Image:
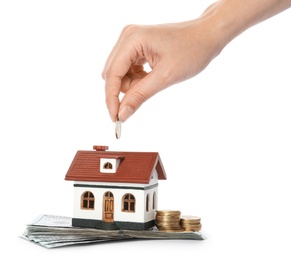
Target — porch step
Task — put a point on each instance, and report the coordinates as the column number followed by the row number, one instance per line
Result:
column 107, row 226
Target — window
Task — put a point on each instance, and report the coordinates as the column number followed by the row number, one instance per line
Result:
column 128, row 203
column 87, row 200
column 147, row 202
column 107, row 165
column 110, row 165
column 154, row 200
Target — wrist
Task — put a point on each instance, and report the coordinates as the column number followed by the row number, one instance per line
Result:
column 229, row 18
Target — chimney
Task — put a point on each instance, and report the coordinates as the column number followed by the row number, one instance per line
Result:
column 100, row 148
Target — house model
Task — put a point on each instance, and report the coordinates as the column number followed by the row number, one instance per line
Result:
column 115, row 190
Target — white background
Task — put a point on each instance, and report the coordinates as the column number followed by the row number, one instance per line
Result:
column 223, row 136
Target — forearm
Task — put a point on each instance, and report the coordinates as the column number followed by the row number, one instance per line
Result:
column 232, row 17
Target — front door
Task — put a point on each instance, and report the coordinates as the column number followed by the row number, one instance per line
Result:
column 108, row 207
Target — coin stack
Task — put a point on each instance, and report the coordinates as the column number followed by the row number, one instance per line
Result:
column 168, row 220
column 190, row 223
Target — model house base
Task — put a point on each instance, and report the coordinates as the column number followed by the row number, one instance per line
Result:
column 92, row 223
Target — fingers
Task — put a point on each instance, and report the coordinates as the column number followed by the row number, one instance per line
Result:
column 124, row 72
column 138, row 93
column 114, row 51
column 123, row 67
column 112, row 90
column 132, row 77
column 138, row 86
column 116, row 68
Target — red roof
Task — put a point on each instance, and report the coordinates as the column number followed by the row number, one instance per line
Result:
column 135, row 167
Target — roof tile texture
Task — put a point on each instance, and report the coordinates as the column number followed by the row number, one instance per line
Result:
column 135, row 167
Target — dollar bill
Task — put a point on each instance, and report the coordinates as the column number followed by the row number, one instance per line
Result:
column 53, row 231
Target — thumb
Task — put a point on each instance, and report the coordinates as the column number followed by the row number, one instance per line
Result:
column 141, row 92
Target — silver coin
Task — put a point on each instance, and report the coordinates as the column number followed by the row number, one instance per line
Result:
column 117, row 128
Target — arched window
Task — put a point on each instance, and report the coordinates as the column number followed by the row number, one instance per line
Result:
column 128, row 203
column 154, row 200
column 107, row 165
column 147, row 202
column 87, row 200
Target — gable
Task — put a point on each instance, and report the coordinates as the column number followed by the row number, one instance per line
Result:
column 133, row 167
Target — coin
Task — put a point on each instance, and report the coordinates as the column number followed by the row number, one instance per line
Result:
column 168, row 220
column 196, row 227
column 168, row 212
column 117, row 128
column 191, row 223
column 190, row 219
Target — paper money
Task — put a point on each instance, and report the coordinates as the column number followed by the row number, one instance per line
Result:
column 52, row 231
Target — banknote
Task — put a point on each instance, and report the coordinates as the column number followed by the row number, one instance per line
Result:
column 53, row 231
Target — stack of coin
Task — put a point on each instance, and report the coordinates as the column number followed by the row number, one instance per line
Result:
column 190, row 223
column 168, row 220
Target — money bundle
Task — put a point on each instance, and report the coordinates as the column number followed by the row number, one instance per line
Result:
column 190, row 223
column 168, row 220
column 52, row 231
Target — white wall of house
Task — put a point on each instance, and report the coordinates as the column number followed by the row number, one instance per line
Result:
column 140, row 214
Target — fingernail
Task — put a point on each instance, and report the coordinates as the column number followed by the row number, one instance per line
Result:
column 125, row 113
